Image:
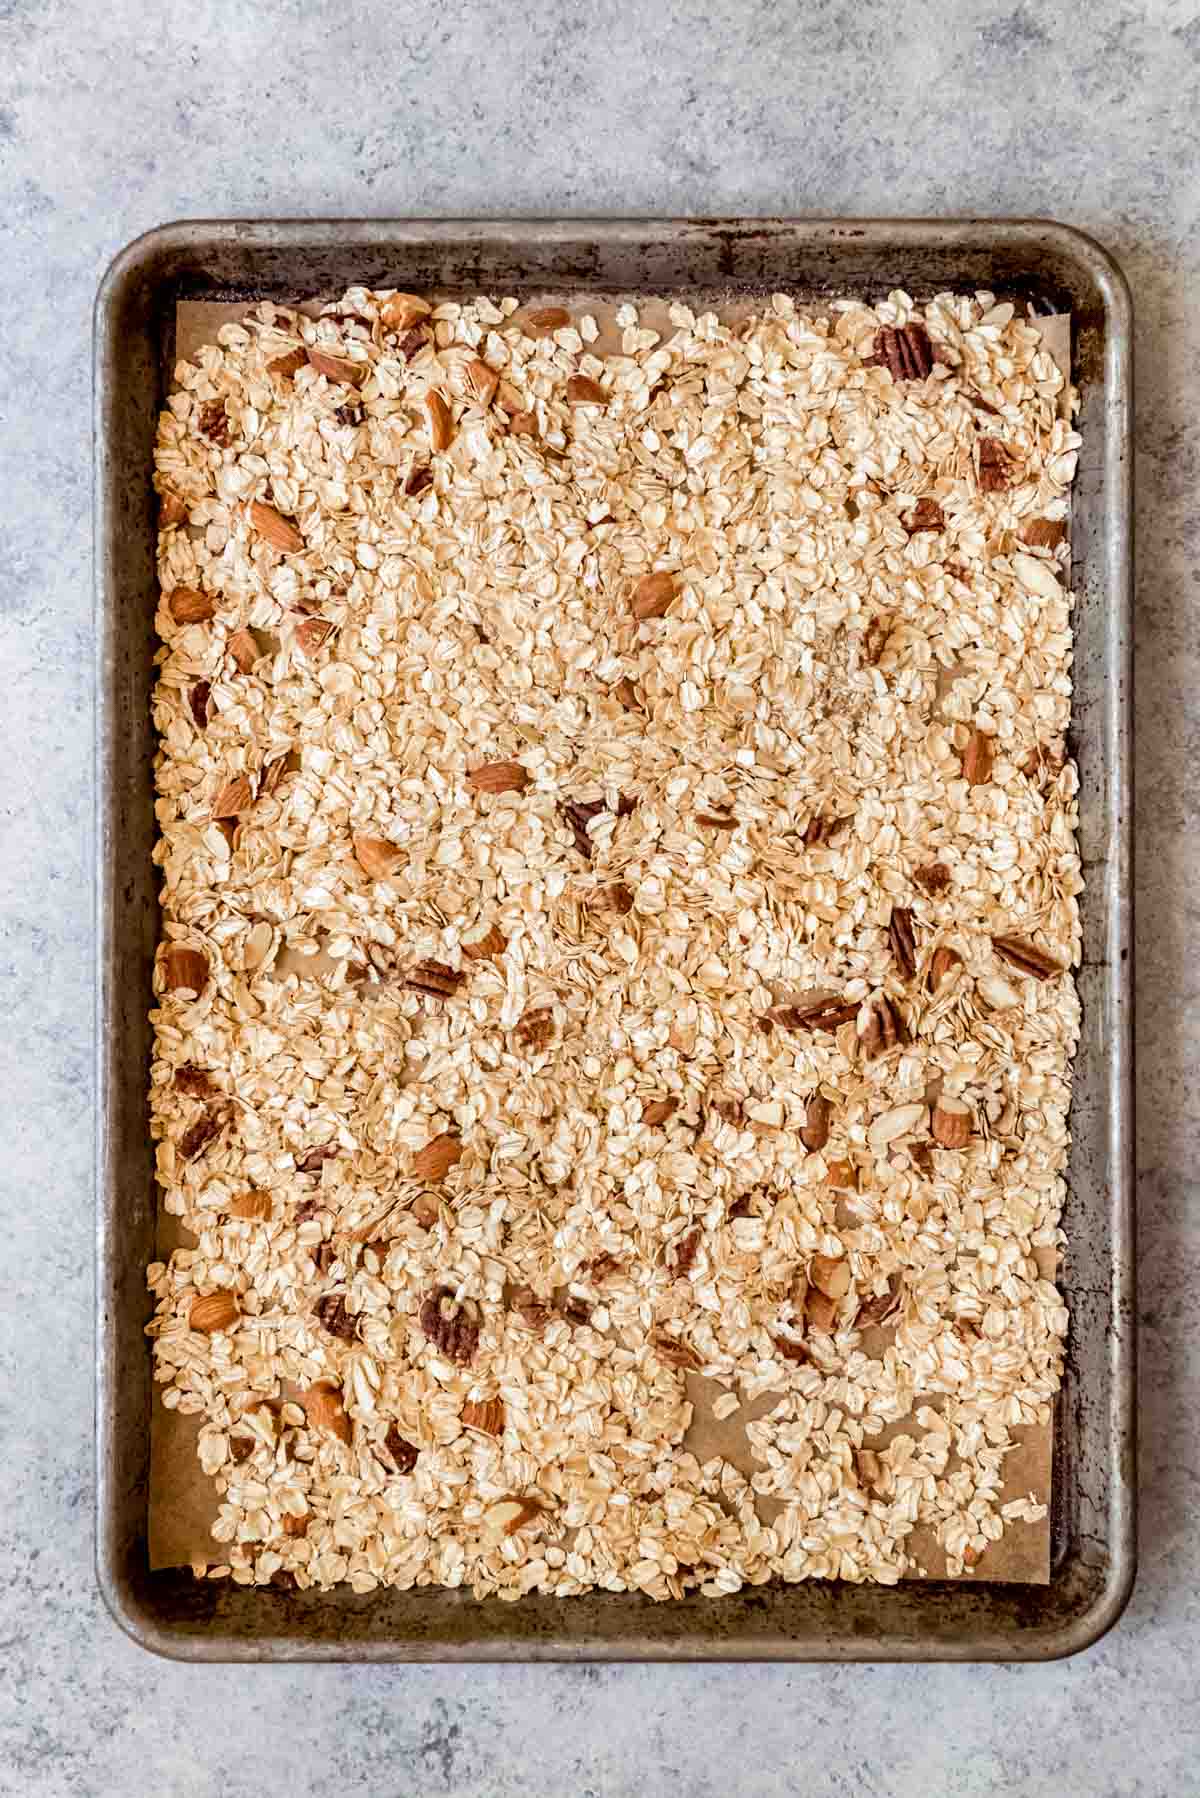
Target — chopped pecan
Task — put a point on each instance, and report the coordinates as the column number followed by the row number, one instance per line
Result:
column 900, row 936
column 583, row 391
column 905, row 350
column 289, row 366
column 615, row 897
column 880, row 1306
column 312, row 1160
column 324, row 1256
column 685, row 1251
column 814, row 1014
column 579, row 813
column 418, row 479
column 293, row 1525
column 814, row 1133
column 933, row 879
column 820, row 828
column 885, row 1029
column 600, row 1266
column 200, row 1133
column 198, row 701
column 484, row 1415
column 575, row 1310
column 487, row 947
column 272, row 773
column 534, row 1029
column 332, row 1315
column 876, row 637
column 435, row 978
column 1043, row 533
column 791, row 1351
column 711, row 822
column 413, row 342
column 534, row 1312
column 995, row 465
column 927, row 516
column 215, row 423
column 452, row 1328
column 349, row 415
column 1026, row 957
column 192, row 1080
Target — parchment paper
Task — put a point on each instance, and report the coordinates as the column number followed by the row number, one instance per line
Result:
column 184, row 1500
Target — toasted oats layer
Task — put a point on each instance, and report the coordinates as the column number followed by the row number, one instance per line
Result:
column 619, row 879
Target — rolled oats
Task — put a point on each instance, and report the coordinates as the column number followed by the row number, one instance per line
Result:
column 620, row 824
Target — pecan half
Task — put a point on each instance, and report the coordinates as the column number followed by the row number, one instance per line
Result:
column 452, row 1328
column 995, row 465
column 900, row 936
column 332, row 1315
column 885, row 1029
column 1026, row 957
column 435, row 978
column 905, row 350
column 814, row 1014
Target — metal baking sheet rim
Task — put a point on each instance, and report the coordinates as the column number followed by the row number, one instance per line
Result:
column 170, row 1613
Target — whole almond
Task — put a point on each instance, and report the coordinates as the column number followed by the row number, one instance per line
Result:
column 652, row 596
column 376, row 856
column 278, row 530
column 482, row 381
column 441, row 425
column 814, row 1133
column 499, row 777
column 244, row 649
column 234, row 798
column 401, row 311
column 583, row 391
column 951, row 1123
column 486, row 1416
column 251, row 1205
column 977, row 759
column 184, row 968
column 657, row 1111
column 339, row 369
column 946, row 961
column 434, row 1161
column 187, row 605
column 214, row 1311
column 325, row 1410
column 540, row 319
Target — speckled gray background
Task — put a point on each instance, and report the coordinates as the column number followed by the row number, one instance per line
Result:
column 115, row 116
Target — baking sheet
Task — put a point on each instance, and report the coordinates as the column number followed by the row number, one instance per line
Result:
column 183, row 1500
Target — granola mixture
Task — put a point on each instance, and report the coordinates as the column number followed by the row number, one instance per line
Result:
column 619, row 887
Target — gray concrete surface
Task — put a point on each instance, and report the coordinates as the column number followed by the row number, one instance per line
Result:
column 118, row 116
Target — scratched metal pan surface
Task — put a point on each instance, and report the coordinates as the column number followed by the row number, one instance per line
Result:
column 1093, row 1549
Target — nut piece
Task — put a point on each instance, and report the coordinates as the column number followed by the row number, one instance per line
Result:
column 453, row 1329
column 214, row 1311
column 187, row 605
column 977, row 759
column 376, row 856
column 486, row 947
column 199, row 1134
column 312, row 634
column 508, row 1515
column 820, row 1311
column 652, row 596
column 434, row 1161
column 995, row 465
column 499, row 777
column 951, row 1123
column 193, row 1081
column 541, row 320
column 278, row 530
column 927, row 516
column 1026, row 957
column 657, row 1111
column 934, row 879
column 332, row 1315
column 906, row 351
column 885, row 1029
column 482, row 381
column 842, row 1176
column 523, row 424
column 1043, row 533
column 830, row 1275
column 869, row 1469
column 945, row 962
column 404, row 1454
column 243, row 647
column 814, row 1014
column 534, row 1029
column 198, row 700
column 879, row 1307
column 814, row 1133
column 234, row 798
column 339, row 369
column 900, row 936
column 172, row 510
column 684, row 1253
column 184, row 969
column 441, row 423
column 286, row 368
column 401, row 311
column 674, row 1352
column 325, row 1410
column 252, row 1205
column 579, row 814
column 486, row 1416
column 435, row 978
column 583, row 391
column 616, row 897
